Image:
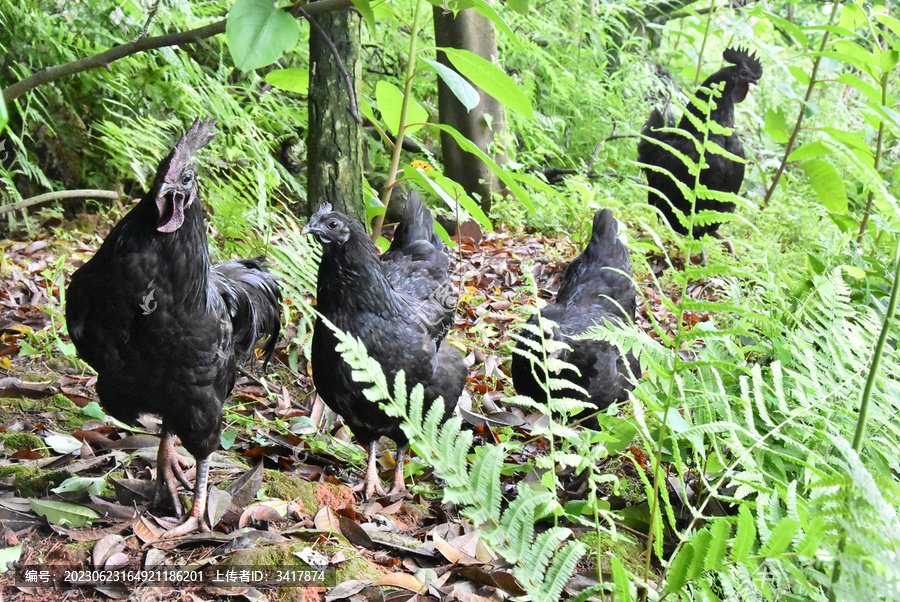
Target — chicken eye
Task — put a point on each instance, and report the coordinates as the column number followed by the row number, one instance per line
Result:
column 333, row 224
column 187, row 178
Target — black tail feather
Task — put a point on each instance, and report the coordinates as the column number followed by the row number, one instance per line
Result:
column 253, row 299
column 417, row 226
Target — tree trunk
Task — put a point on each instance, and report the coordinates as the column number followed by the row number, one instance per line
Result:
column 483, row 124
column 334, row 139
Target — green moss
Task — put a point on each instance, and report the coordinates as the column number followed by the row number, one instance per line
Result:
column 290, row 487
column 621, row 545
column 284, row 557
column 18, row 440
column 81, row 546
column 16, row 403
column 30, row 482
column 71, row 416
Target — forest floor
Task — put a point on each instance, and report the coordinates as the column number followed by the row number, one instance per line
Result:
column 76, row 490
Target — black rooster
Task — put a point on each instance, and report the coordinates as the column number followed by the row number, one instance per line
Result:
column 663, row 168
column 164, row 330
column 399, row 305
column 597, row 285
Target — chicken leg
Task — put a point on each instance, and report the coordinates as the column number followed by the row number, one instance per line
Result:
column 169, row 468
column 371, row 484
column 194, row 520
column 399, row 484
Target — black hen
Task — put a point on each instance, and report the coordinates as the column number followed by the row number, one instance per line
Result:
column 597, row 285
column 164, row 330
column 663, row 168
column 399, row 304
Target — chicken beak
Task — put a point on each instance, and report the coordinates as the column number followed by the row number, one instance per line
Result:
column 309, row 229
column 170, row 206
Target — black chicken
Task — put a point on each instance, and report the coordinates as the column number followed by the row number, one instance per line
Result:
column 399, row 305
column 662, row 168
column 597, row 285
column 164, row 330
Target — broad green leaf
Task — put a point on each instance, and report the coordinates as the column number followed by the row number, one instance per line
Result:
column 809, row 151
column 490, row 78
column 507, row 178
column 94, row 410
column 520, row 6
column 488, row 11
column 617, row 433
column 462, row 89
column 63, row 513
column 8, row 555
column 855, row 54
column 892, row 23
column 888, row 60
column 390, row 102
column 365, row 9
column 366, row 109
column 94, row 484
column 292, row 80
column 258, row 33
column 449, row 191
column 228, row 437
column 374, row 206
column 799, row 74
column 852, row 16
column 776, row 125
column 851, row 79
column 851, row 140
column 827, row 183
column 789, row 28
column 854, row 271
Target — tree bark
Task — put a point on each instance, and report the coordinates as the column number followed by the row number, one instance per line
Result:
column 334, row 138
column 483, row 124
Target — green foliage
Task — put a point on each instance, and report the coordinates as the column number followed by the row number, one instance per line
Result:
column 773, row 435
column 543, row 562
column 754, row 408
column 259, row 33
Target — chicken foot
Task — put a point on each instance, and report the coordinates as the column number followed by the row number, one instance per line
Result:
column 195, row 520
column 371, row 484
column 399, row 484
column 169, row 468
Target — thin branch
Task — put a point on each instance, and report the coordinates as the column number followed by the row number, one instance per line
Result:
column 150, row 17
column 802, row 112
column 340, row 64
column 115, row 53
column 60, row 194
column 401, row 128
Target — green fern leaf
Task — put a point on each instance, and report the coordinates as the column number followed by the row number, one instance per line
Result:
column 720, row 530
column 620, row 578
column 561, row 570
column 745, row 535
column 677, row 572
